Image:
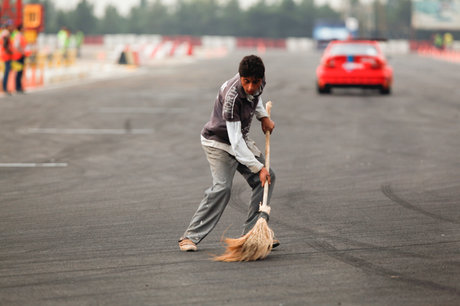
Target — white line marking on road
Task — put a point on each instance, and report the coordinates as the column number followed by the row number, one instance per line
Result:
column 32, row 165
column 142, row 110
column 85, row 131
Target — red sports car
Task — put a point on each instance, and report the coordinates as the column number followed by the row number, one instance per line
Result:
column 354, row 63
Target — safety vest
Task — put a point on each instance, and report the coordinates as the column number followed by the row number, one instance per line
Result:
column 63, row 39
column 18, row 45
column 5, row 46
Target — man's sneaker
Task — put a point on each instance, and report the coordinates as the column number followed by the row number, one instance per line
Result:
column 276, row 243
column 187, row 245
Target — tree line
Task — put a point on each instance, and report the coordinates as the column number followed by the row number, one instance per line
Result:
column 279, row 19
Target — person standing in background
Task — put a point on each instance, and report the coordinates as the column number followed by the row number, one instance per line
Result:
column 19, row 44
column 79, row 38
column 438, row 41
column 448, row 41
column 6, row 54
column 63, row 40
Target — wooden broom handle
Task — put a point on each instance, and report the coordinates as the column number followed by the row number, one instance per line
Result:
column 268, row 106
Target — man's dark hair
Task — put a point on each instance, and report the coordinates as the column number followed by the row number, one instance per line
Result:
column 252, row 66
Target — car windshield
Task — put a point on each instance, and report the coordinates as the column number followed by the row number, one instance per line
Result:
column 353, row 49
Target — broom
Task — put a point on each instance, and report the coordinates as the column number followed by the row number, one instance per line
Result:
column 258, row 242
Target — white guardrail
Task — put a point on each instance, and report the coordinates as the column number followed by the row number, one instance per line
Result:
column 147, row 43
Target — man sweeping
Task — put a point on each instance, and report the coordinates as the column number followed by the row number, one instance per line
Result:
column 228, row 149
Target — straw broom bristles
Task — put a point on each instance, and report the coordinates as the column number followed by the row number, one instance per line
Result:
column 255, row 245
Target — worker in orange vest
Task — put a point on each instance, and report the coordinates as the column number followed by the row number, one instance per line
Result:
column 6, row 53
column 19, row 44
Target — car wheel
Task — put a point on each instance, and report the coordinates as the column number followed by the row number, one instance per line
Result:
column 385, row 90
column 325, row 90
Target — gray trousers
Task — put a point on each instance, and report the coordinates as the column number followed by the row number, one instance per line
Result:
column 223, row 167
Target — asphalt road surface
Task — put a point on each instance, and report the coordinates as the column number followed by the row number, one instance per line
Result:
column 99, row 180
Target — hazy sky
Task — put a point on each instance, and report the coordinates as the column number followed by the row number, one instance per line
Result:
column 125, row 5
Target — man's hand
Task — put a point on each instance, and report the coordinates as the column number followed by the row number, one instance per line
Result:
column 267, row 125
column 264, row 176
